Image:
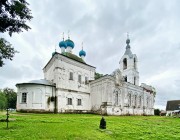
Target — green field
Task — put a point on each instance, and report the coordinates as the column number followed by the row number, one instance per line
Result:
column 86, row 126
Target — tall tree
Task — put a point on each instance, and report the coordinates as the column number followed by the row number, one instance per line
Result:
column 13, row 17
column 3, row 101
column 11, row 97
column 6, row 51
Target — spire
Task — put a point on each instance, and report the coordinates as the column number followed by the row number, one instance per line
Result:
column 127, row 35
column 68, row 34
column 82, row 45
column 62, row 44
column 128, row 41
column 128, row 48
column 63, row 35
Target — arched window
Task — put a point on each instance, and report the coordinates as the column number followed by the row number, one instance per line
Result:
column 147, row 102
column 79, row 100
column 129, row 99
column 135, row 100
column 69, row 99
column 116, row 98
column 134, row 80
column 124, row 63
column 134, row 63
column 139, row 101
column 125, row 78
column 24, row 97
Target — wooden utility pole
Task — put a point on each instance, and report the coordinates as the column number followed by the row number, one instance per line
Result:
column 7, row 117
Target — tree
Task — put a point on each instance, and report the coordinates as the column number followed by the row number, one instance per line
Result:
column 6, row 51
column 13, row 17
column 3, row 101
column 156, row 112
column 8, row 98
column 98, row 75
column 11, row 97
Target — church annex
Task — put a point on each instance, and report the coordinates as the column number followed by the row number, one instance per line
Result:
column 69, row 85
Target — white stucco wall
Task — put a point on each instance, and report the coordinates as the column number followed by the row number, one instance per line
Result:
column 107, row 95
column 36, row 97
column 58, row 70
column 101, row 92
column 132, row 69
column 124, row 99
column 63, row 103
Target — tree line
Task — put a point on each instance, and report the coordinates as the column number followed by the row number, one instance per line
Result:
column 8, row 98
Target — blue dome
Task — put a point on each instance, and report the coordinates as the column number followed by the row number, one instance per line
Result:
column 82, row 52
column 69, row 43
column 62, row 44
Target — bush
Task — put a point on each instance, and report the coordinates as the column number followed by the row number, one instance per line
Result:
column 156, row 112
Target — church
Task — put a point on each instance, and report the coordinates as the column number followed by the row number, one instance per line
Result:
column 69, row 86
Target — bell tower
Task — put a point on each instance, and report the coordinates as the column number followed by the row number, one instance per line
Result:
column 128, row 65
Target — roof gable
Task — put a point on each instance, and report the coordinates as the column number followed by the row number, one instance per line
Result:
column 173, row 105
column 70, row 56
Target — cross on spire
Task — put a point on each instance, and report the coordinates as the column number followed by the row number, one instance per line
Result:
column 63, row 35
column 82, row 45
column 127, row 35
column 68, row 34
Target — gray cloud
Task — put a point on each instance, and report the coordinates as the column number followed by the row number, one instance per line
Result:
column 154, row 28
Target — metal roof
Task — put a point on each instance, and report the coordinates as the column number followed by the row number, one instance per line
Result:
column 39, row 82
column 173, row 105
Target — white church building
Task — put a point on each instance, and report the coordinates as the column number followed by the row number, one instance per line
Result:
column 69, row 86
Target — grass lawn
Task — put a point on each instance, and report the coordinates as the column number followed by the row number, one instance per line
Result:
column 86, row 126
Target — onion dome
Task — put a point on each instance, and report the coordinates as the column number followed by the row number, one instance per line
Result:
column 82, row 53
column 62, row 44
column 127, row 42
column 69, row 43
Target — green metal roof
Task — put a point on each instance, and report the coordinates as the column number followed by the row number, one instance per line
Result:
column 73, row 56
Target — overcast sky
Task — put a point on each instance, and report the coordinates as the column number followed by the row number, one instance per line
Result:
column 153, row 25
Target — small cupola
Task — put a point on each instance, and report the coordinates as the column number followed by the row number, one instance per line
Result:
column 62, row 45
column 82, row 53
column 70, row 44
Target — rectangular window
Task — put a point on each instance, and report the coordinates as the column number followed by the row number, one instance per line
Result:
column 134, row 80
column 79, row 78
column 86, row 80
column 70, row 76
column 69, row 101
column 79, row 102
column 24, row 98
column 125, row 78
